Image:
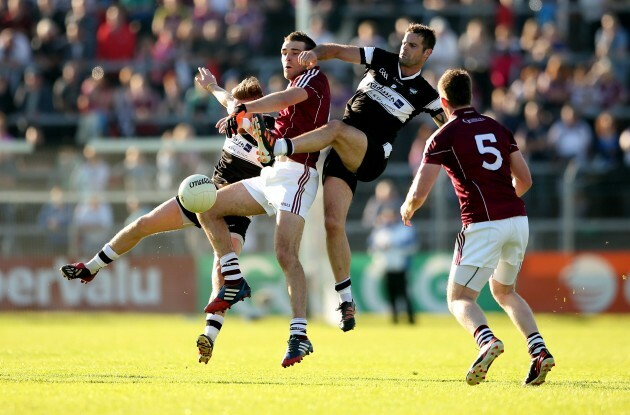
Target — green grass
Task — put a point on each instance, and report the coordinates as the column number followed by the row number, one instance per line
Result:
column 72, row 363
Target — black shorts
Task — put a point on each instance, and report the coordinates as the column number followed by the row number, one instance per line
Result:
column 236, row 224
column 373, row 165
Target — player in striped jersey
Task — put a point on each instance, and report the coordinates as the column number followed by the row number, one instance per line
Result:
column 238, row 161
column 287, row 189
column 391, row 93
column 489, row 175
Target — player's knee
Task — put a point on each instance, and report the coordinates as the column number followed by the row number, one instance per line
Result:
column 502, row 293
column 286, row 257
column 141, row 227
column 335, row 225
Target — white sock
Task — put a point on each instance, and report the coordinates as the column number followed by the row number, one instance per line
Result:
column 298, row 327
column 105, row 257
column 214, row 322
column 230, row 268
column 344, row 290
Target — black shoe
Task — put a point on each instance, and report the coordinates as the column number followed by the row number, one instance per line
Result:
column 78, row 270
column 347, row 308
column 539, row 367
column 296, row 350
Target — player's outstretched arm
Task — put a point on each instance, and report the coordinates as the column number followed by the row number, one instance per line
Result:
column 419, row 190
column 207, row 81
column 326, row 51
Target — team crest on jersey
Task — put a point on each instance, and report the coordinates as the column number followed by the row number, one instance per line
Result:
column 383, row 72
column 413, row 91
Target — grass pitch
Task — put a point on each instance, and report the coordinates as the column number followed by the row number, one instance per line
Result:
column 71, row 363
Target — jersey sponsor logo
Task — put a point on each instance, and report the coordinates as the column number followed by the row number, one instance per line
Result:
column 392, row 101
column 473, row 120
column 241, row 148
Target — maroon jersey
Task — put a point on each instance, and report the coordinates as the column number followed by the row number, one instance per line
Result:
column 475, row 152
column 307, row 115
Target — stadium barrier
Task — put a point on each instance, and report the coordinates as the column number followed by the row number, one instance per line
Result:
column 582, row 283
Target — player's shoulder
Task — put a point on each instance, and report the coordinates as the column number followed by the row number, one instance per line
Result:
column 310, row 77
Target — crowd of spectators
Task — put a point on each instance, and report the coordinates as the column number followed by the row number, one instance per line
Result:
column 73, row 70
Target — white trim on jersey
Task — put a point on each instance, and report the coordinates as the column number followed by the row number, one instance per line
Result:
column 369, row 54
column 406, row 78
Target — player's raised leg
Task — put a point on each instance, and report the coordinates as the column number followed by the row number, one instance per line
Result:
column 166, row 217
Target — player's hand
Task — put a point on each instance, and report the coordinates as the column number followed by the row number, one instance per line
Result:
column 205, row 79
column 221, row 125
column 406, row 212
column 307, row 58
column 232, row 122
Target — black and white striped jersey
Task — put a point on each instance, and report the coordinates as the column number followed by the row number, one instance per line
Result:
column 385, row 101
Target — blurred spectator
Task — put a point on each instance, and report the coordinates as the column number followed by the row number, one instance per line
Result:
column 318, row 31
column 367, row 35
column 139, row 14
column 606, row 152
column 475, row 48
column 505, row 59
column 49, row 50
column 91, row 175
column 607, row 90
column 95, row 105
column 144, row 103
column 570, row 137
column 34, row 96
column 54, row 220
column 612, row 41
column 554, row 83
column 549, row 42
column 391, row 245
column 531, row 134
column 18, row 16
column 581, row 89
column 78, row 49
column 416, row 153
column 172, row 103
column 91, row 225
column 385, row 196
column 4, row 128
column 525, row 87
column 445, row 54
column 87, row 25
column 115, row 40
column 529, row 35
column 66, row 89
column 15, row 54
column 137, row 173
column 244, row 22
column 394, row 40
column 504, row 14
column 51, row 9
column 168, row 17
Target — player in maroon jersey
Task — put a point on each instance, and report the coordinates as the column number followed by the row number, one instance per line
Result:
column 489, row 175
column 391, row 93
column 287, row 188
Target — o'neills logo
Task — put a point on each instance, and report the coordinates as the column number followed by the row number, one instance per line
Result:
column 199, row 182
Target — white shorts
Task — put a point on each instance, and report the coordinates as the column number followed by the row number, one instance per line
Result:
column 494, row 245
column 287, row 185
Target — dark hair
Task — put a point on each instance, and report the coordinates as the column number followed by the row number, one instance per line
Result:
column 248, row 88
column 428, row 34
column 301, row 37
column 456, row 86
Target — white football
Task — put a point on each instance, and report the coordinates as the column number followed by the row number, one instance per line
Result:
column 197, row 193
